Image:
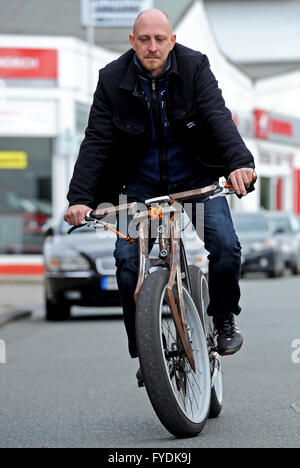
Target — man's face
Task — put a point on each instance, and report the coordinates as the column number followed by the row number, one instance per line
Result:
column 152, row 41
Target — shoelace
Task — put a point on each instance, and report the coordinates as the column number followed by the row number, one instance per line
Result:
column 226, row 327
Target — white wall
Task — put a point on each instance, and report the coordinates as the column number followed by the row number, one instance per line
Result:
column 279, row 94
column 194, row 31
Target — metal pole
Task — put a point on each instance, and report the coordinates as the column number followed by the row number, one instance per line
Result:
column 90, row 37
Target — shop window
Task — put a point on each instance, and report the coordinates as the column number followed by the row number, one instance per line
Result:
column 25, row 194
column 265, row 193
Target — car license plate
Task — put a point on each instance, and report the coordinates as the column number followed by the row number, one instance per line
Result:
column 109, row 283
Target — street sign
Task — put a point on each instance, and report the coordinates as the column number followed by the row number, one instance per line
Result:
column 13, row 160
column 110, row 13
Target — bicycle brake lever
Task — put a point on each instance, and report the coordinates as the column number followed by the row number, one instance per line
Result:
column 75, row 227
column 88, row 217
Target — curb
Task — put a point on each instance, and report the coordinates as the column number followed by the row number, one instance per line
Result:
column 21, row 279
column 14, row 315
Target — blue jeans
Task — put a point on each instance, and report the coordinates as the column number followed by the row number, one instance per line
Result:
column 220, row 241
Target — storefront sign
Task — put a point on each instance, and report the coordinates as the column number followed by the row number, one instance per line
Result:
column 276, row 127
column 28, row 118
column 28, row 63
column 13, row 160
column 112, row 12
column 297, row 191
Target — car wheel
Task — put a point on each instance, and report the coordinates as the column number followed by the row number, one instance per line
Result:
column 278, row 269
column 57, row 312
column 296, row 267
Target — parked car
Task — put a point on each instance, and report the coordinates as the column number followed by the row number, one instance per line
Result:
column 25, row 219
column 261, row 249
column 287, row 229
column 80, row 268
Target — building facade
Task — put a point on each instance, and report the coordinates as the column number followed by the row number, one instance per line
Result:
column 46, row 89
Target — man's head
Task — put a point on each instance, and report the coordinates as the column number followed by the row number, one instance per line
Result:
column 153, row 39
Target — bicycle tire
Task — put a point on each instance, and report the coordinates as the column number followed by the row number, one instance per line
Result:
column 163, row 390
column 201, row 297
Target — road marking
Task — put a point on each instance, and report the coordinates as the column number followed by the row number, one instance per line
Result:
column 296, row 407
column 2, row 352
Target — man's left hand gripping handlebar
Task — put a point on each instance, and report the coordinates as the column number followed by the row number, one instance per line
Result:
column 240, row 180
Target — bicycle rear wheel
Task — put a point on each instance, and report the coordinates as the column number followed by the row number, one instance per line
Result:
column 180, row 397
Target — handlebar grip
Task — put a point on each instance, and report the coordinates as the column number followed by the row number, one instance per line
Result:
column 229, row 186
column 88, row 217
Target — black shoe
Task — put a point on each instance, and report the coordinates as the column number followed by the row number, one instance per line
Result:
column 228, row 335
column 140, row 378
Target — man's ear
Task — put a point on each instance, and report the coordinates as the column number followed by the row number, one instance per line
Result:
column 173, row 41
column 131, row 40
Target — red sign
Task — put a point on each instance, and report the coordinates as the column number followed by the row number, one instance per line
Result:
column 297, row 191
column 267, row 125
column 279, row 194
column 28, row 63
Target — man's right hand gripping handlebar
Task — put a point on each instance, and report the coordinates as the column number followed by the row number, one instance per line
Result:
column 76, row 214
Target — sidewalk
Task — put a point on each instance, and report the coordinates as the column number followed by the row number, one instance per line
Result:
column 19, row 297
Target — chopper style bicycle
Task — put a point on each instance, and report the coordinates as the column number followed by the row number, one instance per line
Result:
column 176, row 341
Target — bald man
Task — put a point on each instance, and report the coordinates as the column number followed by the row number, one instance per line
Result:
column 159, row 124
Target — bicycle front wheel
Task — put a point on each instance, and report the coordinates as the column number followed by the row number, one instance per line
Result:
column 180, row 397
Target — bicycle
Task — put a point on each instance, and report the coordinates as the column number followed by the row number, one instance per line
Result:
column 176, row 340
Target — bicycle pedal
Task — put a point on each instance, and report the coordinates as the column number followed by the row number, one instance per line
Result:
column 140, row 379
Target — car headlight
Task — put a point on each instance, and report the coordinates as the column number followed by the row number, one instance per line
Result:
column 289, row 246
column 258, row 246
column 68, row 263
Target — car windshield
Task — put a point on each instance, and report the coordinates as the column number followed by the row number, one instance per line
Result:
column 250, row 223
column 280, row 223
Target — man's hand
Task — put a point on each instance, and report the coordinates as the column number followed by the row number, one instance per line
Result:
column 241, row 179
column 76, row 214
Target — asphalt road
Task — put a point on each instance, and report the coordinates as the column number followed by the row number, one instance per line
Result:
column 72, row 384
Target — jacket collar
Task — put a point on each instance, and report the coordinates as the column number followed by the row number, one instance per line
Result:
column 145, row 74
column 130, row 76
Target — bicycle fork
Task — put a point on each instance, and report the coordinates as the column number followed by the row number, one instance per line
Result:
column 175, row 278
column 169, row 257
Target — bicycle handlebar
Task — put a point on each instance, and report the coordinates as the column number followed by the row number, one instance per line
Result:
column 205, row 193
